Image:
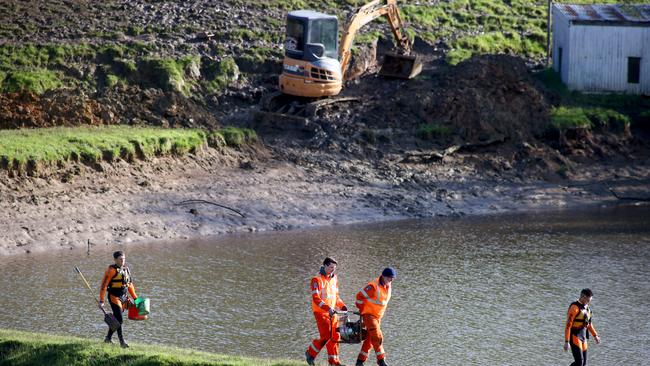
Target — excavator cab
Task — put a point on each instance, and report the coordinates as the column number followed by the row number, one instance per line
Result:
column 311, row 67
column 315, row 63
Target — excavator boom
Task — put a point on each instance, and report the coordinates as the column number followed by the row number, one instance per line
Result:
column 400, row 64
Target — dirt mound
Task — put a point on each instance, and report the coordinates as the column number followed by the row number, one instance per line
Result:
column 28, row 110
column 486, row 98
column 125, row 106
column 489, row 98
column 133, row 105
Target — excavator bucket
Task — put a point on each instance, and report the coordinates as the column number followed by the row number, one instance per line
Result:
column 401, row 66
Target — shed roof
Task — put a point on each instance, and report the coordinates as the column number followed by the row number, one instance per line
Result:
column 607, row 14
column 310, row 14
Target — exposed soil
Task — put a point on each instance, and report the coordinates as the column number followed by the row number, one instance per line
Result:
column 355, row 162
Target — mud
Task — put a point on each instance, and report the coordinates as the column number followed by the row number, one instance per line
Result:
column 357, row 162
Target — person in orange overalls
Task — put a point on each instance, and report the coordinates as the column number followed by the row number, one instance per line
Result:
column 578, row 322
column 117, row 282
column 325, row 301
column 372, row 301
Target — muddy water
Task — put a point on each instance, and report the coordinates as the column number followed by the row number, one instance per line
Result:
column 474, row 291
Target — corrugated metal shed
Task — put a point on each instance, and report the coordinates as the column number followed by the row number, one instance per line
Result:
column 602, row 47
column 604, row 14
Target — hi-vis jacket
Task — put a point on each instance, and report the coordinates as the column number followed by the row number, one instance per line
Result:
column 117, row 281
column 373, row 299
column 325, row 293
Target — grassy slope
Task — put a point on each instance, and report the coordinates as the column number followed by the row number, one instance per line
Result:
column 22, row 150
column 19, row 348
column 465, row 27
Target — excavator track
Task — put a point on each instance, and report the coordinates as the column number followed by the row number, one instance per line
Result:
column 278, row 102
column 285, row 109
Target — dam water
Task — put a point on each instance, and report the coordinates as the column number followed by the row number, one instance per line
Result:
column 474, row 291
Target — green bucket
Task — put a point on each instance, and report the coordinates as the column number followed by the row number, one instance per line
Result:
column 142, row 304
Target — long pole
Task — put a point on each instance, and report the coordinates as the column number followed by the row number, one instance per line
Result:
column 89, row 288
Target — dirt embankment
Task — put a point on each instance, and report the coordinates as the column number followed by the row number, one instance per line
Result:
column 129, row 105
column 470, row 139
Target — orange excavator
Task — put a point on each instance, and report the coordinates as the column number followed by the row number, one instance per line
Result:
column 315, row 63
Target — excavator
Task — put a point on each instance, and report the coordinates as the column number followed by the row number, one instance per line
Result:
column 315, row 63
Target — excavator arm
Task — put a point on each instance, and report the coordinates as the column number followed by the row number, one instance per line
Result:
column 367, row 14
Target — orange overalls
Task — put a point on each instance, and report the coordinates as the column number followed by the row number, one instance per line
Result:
column 325, row 296
column 578, row 322
column 372, row 301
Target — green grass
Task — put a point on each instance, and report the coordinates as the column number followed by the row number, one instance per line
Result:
column 467, row 27
column 19, row 348
column 39, row 67
column 36, row 80
column 261, row 54
column 14, row 57
column 568, row 118
column 493, row 43
column 603, row 117
column 219, row 75
column 617, row 111
column 238, row 136
column 171, row 74
column 29, row 150
column 485, row 26
column 432, row 130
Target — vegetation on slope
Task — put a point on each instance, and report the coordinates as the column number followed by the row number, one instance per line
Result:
column 19, row 348
column 28, row 151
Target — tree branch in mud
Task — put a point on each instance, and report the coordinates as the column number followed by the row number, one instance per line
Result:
column 628, row 198
column 190, row 202
column 420, row 157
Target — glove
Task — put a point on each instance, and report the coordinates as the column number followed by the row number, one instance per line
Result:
column 331, row 311
column 344, row 308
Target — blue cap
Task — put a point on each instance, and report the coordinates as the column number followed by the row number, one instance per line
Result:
column 389, row 272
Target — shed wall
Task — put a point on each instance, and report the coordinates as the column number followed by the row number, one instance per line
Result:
column 598, row 58
column 561, row 39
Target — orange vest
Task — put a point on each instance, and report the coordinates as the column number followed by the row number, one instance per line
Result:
column 328, row 290
column 583, row 318
column 375, row 305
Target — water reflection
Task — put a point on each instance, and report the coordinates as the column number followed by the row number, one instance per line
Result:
column 480, row 291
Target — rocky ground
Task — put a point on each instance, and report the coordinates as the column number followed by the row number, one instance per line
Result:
column 357, row 162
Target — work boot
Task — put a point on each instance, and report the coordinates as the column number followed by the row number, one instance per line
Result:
column 309, row 359
column 359, row 363
column 382, row 362
column 124, row 345
column 107, row 340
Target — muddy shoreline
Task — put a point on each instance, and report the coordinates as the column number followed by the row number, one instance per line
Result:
column 475, row 138
column 127, row 204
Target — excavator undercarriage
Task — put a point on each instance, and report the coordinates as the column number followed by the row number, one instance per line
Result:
column 288, row 111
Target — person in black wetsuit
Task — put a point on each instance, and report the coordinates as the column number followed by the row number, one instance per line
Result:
column 117, row 282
